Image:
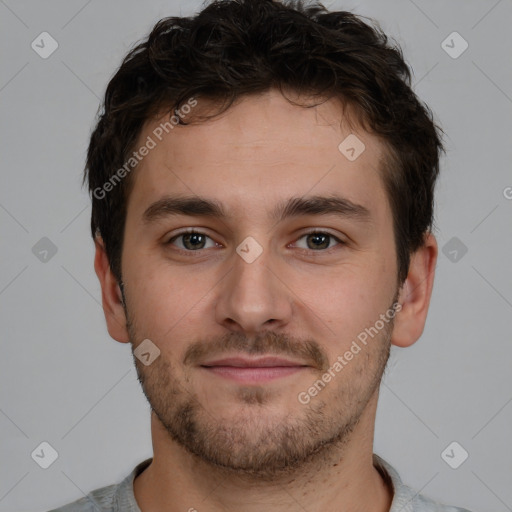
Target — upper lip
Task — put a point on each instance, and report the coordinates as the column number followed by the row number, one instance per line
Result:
column 243, row 362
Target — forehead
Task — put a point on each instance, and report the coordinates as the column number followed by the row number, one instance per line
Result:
column 263, row 148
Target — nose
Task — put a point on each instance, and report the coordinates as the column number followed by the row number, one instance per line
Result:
column 253, row 297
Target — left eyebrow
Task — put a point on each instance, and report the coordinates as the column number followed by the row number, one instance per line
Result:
column 322, row 205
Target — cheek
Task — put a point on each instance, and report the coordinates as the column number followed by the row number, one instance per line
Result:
column 151, row 299
column 166, row 301
column 344, row 302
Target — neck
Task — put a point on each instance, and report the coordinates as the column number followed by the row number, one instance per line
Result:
column 341, row 477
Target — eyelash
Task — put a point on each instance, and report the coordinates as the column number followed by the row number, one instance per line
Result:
column 313, row 232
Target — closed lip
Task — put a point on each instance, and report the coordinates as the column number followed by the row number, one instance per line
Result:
column 243, row 362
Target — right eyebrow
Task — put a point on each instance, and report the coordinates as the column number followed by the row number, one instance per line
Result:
column 192, row 206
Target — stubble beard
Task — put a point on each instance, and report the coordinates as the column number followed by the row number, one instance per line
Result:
column 253, row 445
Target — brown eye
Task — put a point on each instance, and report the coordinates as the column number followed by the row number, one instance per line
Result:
column 319, row 240
column 191, row 241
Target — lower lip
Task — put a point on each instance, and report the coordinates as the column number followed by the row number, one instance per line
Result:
column 247, row 375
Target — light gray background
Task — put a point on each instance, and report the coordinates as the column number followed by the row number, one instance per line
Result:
column 65, row 381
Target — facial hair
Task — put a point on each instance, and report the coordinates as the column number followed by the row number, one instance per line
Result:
column 255, row 444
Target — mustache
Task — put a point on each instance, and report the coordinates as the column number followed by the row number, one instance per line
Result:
column 278, row 344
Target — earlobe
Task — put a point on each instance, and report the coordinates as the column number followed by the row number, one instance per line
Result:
column 111, row 296
column 415, row 294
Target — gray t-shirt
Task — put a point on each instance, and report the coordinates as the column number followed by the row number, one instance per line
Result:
column 120, row 497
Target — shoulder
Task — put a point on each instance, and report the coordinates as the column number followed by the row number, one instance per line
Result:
column 112, row 498
column 411, row 501
column 99, row 500
column 405, row 498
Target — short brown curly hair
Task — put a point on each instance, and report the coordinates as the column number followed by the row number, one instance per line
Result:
column 234, row 48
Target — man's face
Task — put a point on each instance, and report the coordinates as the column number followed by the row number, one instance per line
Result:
column 285, row 292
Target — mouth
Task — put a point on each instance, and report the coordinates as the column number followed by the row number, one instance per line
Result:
column 253, row 370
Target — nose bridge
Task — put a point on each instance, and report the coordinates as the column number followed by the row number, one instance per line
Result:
column 252, row 296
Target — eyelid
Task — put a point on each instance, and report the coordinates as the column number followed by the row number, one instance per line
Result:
column 321, row 231
column 312, row 231
column 196, row 231
column 186, row 231
column 324, row 231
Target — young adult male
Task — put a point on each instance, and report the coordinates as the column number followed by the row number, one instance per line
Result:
column 262, row 179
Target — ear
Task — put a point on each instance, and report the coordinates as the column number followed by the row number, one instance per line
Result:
column 111, row 296
column 415, row 294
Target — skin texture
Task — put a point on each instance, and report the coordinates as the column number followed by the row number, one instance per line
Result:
column 225, row 445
